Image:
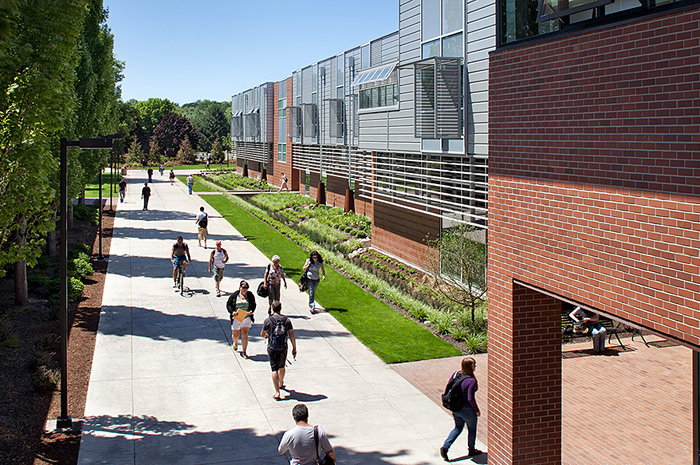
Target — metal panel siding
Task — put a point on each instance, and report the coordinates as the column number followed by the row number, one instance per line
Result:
column 390, row 48
column 306, row 85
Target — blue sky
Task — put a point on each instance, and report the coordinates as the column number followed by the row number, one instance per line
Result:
column 212, row 49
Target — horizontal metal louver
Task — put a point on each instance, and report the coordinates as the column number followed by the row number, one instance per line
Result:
column 254, row 151
column 438, row 99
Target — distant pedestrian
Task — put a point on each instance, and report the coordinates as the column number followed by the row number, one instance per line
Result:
column 469, row 413
column 241, row 306
column 202, row 221
column 314, row 273
column 190, row 183
column 161, row 169
column 122, row 190
column 207, row 166
column 143, row 164
column 172, row 177
column 150, row 174
column 305, row 442
column 145, row 195
column 284, row 183
column 217, row 263
column 274, row 274
column 276, row 328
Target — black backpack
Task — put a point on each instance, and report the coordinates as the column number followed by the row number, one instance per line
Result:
column 204, row 221
column 453, row 399
column 278, row 334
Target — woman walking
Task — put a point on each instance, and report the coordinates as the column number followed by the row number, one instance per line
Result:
column 274, row 274
column 172, row 177
column 241, row 306
column 314, row 273
column 469, row 413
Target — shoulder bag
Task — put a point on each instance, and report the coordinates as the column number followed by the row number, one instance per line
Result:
column 326, row 460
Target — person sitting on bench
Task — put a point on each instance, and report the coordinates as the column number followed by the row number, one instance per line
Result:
column 592, row 319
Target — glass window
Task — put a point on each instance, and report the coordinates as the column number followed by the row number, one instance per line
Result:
column 341, row 70
column 314, row 78
column 452, row 46
column 430, row 19
column 431, row 49
column 364, row 57
column 340, row 93
column 452, row 16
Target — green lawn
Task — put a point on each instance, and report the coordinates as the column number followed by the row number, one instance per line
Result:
column 93, row 190
column 197, row 186
column 390, row 335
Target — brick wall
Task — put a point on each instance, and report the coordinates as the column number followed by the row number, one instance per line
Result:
column 594, row 190
column 403, row 232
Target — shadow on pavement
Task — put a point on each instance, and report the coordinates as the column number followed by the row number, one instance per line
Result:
column 119, row 438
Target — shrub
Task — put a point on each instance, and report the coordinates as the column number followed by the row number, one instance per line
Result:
column 83, row 268
column 85, row 213
column 477, row 343
column 75, row 289
column 37, row 280
column 79, row 248
column 39, row 358
column 11, row 340
column 45, row 379
column 47, row 342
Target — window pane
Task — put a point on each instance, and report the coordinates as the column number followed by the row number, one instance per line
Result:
column 430, row 19
column 341, row 70
column 365, row 57
column 431, row 49
column 452, row 16
column 452, row 46
column 340, row 93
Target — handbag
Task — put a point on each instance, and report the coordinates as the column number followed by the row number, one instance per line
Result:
column 326, row 460
column 262, row 290
column 303, row 282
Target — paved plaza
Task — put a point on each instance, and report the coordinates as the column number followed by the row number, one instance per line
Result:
column 167, row 388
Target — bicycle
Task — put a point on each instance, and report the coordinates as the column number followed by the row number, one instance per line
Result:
column 180, row 277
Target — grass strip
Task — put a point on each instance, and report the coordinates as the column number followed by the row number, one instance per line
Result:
column 93, row 189
column 390, row 335
column 197, row 186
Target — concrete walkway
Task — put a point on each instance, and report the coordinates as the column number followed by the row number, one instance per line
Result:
column 167, row 388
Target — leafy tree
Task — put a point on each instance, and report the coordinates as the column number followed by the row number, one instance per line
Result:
column 152, row 110
column 173, row 129
column 457, row 263
column 185, row 154
column 217, row 151
column 37, row 75
column 212, row 119
column 155, row 153
column 130, row 124
column 136, row 154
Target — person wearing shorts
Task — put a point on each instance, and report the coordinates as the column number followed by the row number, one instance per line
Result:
column 241, row 301
column 217, row 262
column 202, row 221
column 278, row 357
column 179, row 253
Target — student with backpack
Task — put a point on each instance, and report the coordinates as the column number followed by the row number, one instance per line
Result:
column 202, row 221
column 459, row 398
column 276, row 328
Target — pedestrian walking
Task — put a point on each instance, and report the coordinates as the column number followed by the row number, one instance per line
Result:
column 207, row 166
column 314, row 273
column 161, row 168
column 469, row 413
column 145, row 195
column 190, row 183
column 150, row 174
column 202, row 221
column 274, row 275
column 276, row 328
column 241, row 306
column 305, row 442
column 217, row 263
column 172, row 177
column 122, row 190
column 284, row 184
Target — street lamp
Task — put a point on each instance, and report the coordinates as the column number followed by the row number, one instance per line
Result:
column 105, row 142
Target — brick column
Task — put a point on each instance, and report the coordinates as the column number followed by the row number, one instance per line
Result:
column 524, row 377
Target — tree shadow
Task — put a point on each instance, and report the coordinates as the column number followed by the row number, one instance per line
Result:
column 146, row 439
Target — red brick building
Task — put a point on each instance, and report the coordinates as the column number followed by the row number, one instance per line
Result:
column 594, row 200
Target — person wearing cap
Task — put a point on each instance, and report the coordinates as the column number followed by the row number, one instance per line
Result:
column 217, row 263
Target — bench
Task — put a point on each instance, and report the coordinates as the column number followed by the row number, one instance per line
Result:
column 611, row 328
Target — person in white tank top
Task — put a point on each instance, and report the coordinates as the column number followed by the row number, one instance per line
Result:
column 217, row 263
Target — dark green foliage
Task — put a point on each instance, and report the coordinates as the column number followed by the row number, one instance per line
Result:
column 212, row 119
column 45, row 379
column 86, row 213
column 83, row 268
column 37, row 279
column 173, row 130
column 75, row 289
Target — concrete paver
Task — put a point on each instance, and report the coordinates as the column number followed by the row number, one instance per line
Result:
column 167, row 388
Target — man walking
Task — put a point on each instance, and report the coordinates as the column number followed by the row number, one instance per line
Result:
column 122, row 190
column 190, row 183
column 304, row 441
column 276, row 328
column 202, row 221
column 145, row 195
column 150, row 174
column 217, row 262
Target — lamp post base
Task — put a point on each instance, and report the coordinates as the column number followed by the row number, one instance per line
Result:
column 64, row 422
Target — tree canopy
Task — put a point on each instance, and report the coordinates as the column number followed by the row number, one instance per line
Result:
column 173, row 129
column 152, row 110
column 212, row 119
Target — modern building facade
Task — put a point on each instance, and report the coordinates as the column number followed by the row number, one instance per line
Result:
column 399, row 123
column 594, row 196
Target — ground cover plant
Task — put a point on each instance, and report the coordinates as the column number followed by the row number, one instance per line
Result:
column 236, row 182
column 386, row 332
column 198, row 186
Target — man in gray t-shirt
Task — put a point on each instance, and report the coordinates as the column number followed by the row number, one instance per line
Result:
column 299, row 441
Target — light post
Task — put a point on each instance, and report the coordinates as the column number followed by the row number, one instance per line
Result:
column 65, row 420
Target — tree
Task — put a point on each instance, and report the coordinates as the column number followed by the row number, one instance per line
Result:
column 152, row 110
column 457, row 263
column 37, row 76
column 130, row 124
column 155, row 153
column 217, row 151
column 136, row 154
column 212, row 119
column 173, row 129
column 185, row 154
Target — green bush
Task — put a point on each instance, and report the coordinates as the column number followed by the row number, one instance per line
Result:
column 11, row 340
column 83, row 268
column 85, row 213
column 477, row 343
column 37, row 280
column 45, row 379
column 75, row 289
column 236, row 182
column 80, row 248
column 39, row 358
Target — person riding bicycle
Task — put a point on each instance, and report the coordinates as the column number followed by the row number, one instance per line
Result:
column 179, row 254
